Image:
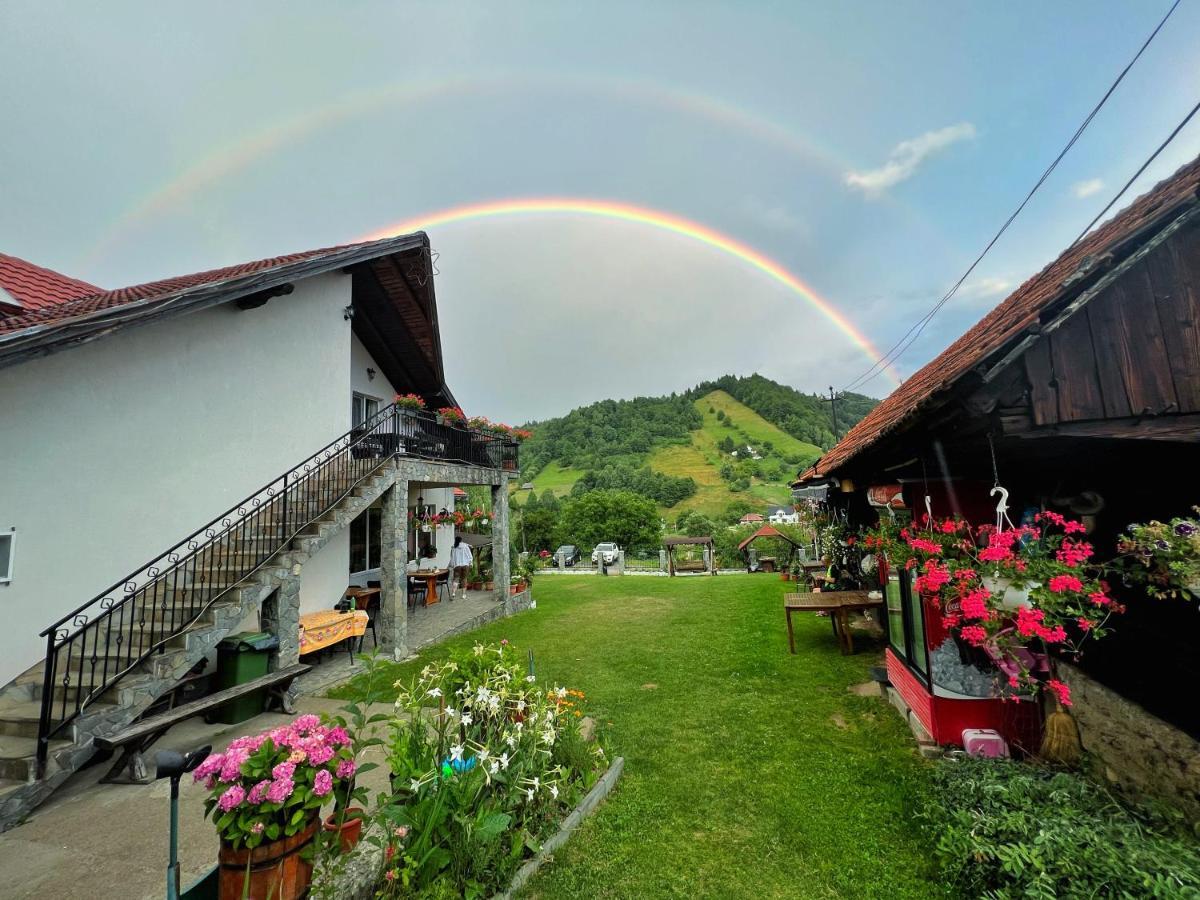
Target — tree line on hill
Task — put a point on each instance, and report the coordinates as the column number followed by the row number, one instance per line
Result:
column 803, row 416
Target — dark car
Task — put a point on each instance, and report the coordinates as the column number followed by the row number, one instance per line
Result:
column 569, row 553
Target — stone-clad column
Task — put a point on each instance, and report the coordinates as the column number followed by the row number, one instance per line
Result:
column 393, row 575
column 280, row 616
column 500, row 573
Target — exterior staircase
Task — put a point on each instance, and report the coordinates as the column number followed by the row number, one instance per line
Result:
column 109, row 660
column 119, row 704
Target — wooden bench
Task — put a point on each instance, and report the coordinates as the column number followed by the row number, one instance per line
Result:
column 136, row 739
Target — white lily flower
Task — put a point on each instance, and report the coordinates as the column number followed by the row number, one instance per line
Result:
column 435, row 692
column 414, row 785
column 554, row 791
column 536, row 783
column 466, row 719
column 479, row 649
column 529, row 794
column 511, row 740
column 531, row 679
column 494, row 767
column 451, row 711
column 484, row 754
column 504, row 760
column 562, row 693
column 456, row 752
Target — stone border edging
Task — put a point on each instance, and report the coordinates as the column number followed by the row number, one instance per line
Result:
column 599, row 791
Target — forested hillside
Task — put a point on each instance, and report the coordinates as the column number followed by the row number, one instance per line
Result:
column 803, row 416
column 734, row 443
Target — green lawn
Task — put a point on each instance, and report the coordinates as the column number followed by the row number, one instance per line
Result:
column 748, row 772
column 556, row 478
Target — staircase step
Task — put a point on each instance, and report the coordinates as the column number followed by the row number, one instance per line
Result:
column 21, row 719
column 18, row 757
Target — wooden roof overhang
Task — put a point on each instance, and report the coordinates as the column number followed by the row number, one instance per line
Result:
column 766, row 531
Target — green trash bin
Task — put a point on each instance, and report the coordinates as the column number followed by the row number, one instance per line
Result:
column 241, row 658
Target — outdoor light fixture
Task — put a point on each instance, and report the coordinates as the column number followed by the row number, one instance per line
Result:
column 370, row 374
column 348, row 313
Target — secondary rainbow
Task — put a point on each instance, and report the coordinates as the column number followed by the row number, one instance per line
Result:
column 643, row 216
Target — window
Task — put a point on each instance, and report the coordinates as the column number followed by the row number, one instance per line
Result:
column 362, row 408
column 366, row 540
column 7, row 542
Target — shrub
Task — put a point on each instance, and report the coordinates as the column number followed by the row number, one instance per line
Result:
column 484, row 764
column 1006, row 829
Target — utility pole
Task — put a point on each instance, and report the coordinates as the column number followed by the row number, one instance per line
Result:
column 833, row 413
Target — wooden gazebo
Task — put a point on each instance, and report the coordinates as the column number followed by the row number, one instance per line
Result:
column 691, row 565
column 768, row 531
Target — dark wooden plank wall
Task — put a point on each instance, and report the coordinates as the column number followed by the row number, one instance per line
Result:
column 1134, row 350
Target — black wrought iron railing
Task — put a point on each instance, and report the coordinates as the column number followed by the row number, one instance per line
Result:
column 89, row 650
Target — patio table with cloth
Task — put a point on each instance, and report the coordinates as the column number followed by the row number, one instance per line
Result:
column 327, row 627
column 839, row 605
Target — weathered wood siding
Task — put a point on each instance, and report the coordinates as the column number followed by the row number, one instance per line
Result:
column 1133, row 351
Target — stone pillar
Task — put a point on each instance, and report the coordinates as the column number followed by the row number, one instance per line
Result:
column 620, row 562
column 393, row 573
column 662, row 560
column 280, row 616
column 500, row 572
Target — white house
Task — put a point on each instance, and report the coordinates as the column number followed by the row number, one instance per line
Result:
column 782, row 515
column 163, row 422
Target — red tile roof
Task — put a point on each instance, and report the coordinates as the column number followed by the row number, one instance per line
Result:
column 87, row 299
column 37, row 288
column 1020, row 310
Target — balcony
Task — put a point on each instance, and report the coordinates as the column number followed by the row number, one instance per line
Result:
column 421, row 434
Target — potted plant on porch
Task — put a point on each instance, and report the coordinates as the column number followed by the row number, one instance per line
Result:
column 265, row 797
column 1164, row 556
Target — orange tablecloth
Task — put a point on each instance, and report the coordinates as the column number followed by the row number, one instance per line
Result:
column 327, row 627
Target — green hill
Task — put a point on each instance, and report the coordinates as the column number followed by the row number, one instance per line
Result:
column 692, row 451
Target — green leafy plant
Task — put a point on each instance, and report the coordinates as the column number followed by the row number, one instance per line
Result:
column 1164, row 556
column 1005, row 829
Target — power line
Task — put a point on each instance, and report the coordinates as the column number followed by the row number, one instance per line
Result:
column 1142, row 168
column 918, row 327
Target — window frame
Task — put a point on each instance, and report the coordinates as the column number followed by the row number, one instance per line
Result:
column 6, row 576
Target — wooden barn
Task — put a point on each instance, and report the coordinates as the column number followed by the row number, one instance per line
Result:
column 1080, row 393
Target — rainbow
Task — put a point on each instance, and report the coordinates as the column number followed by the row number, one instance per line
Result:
column 221, row 163
column 665, row 221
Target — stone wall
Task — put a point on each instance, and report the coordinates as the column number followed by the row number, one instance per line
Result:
column 1136, row 750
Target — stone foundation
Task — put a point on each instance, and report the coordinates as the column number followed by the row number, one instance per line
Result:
column 1137, row 751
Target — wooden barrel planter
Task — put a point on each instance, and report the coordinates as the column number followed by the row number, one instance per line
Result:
column 277, row 870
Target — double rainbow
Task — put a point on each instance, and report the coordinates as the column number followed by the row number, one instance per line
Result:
column 641, row 215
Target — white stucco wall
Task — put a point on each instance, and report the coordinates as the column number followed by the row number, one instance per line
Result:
column 360, row 382
column 325, row 576
column 112, row 451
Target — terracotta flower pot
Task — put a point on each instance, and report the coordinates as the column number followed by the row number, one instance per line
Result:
column 277, row 870
column 351, row 828
column 784, row 576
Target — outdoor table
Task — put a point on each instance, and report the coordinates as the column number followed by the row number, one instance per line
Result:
column 361, row 595
column 839, row 604
column 327, row 627
column 431, row 577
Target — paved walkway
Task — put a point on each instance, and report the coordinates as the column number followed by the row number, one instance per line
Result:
column 106, row 841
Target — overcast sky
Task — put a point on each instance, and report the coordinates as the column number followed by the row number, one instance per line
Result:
column 869, row 149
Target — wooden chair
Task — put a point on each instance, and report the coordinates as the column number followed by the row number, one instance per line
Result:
column 416, row 591
column 443, row 584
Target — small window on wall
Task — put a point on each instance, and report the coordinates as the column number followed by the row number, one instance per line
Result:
column 8, row 542
column 362, row 408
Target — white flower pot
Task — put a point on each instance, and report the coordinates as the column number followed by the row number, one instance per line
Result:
column 1011, row 595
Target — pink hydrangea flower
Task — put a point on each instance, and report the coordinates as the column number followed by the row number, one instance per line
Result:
column 211, row 765
column 284, row 771
column 338, row 736
column 258, row 793
column 320, row 754
column 322, row 783
column 231, row 768
column 346, row 768
column 280, row 790
column 232, row 798
column 306, row 723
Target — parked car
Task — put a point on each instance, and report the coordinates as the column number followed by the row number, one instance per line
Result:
column 609, row 552
column 568, row 553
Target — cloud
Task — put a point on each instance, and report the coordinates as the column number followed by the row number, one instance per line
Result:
column 986, row 288
column 1081, row 189
column 907, row 156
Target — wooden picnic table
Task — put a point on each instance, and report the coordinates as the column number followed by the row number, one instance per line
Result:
column 361, row 595
column 839, row 605
column 431, row 577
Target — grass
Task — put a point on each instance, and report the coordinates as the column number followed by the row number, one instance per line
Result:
column 557, row 478
column 702, row 458
column 748, row 772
